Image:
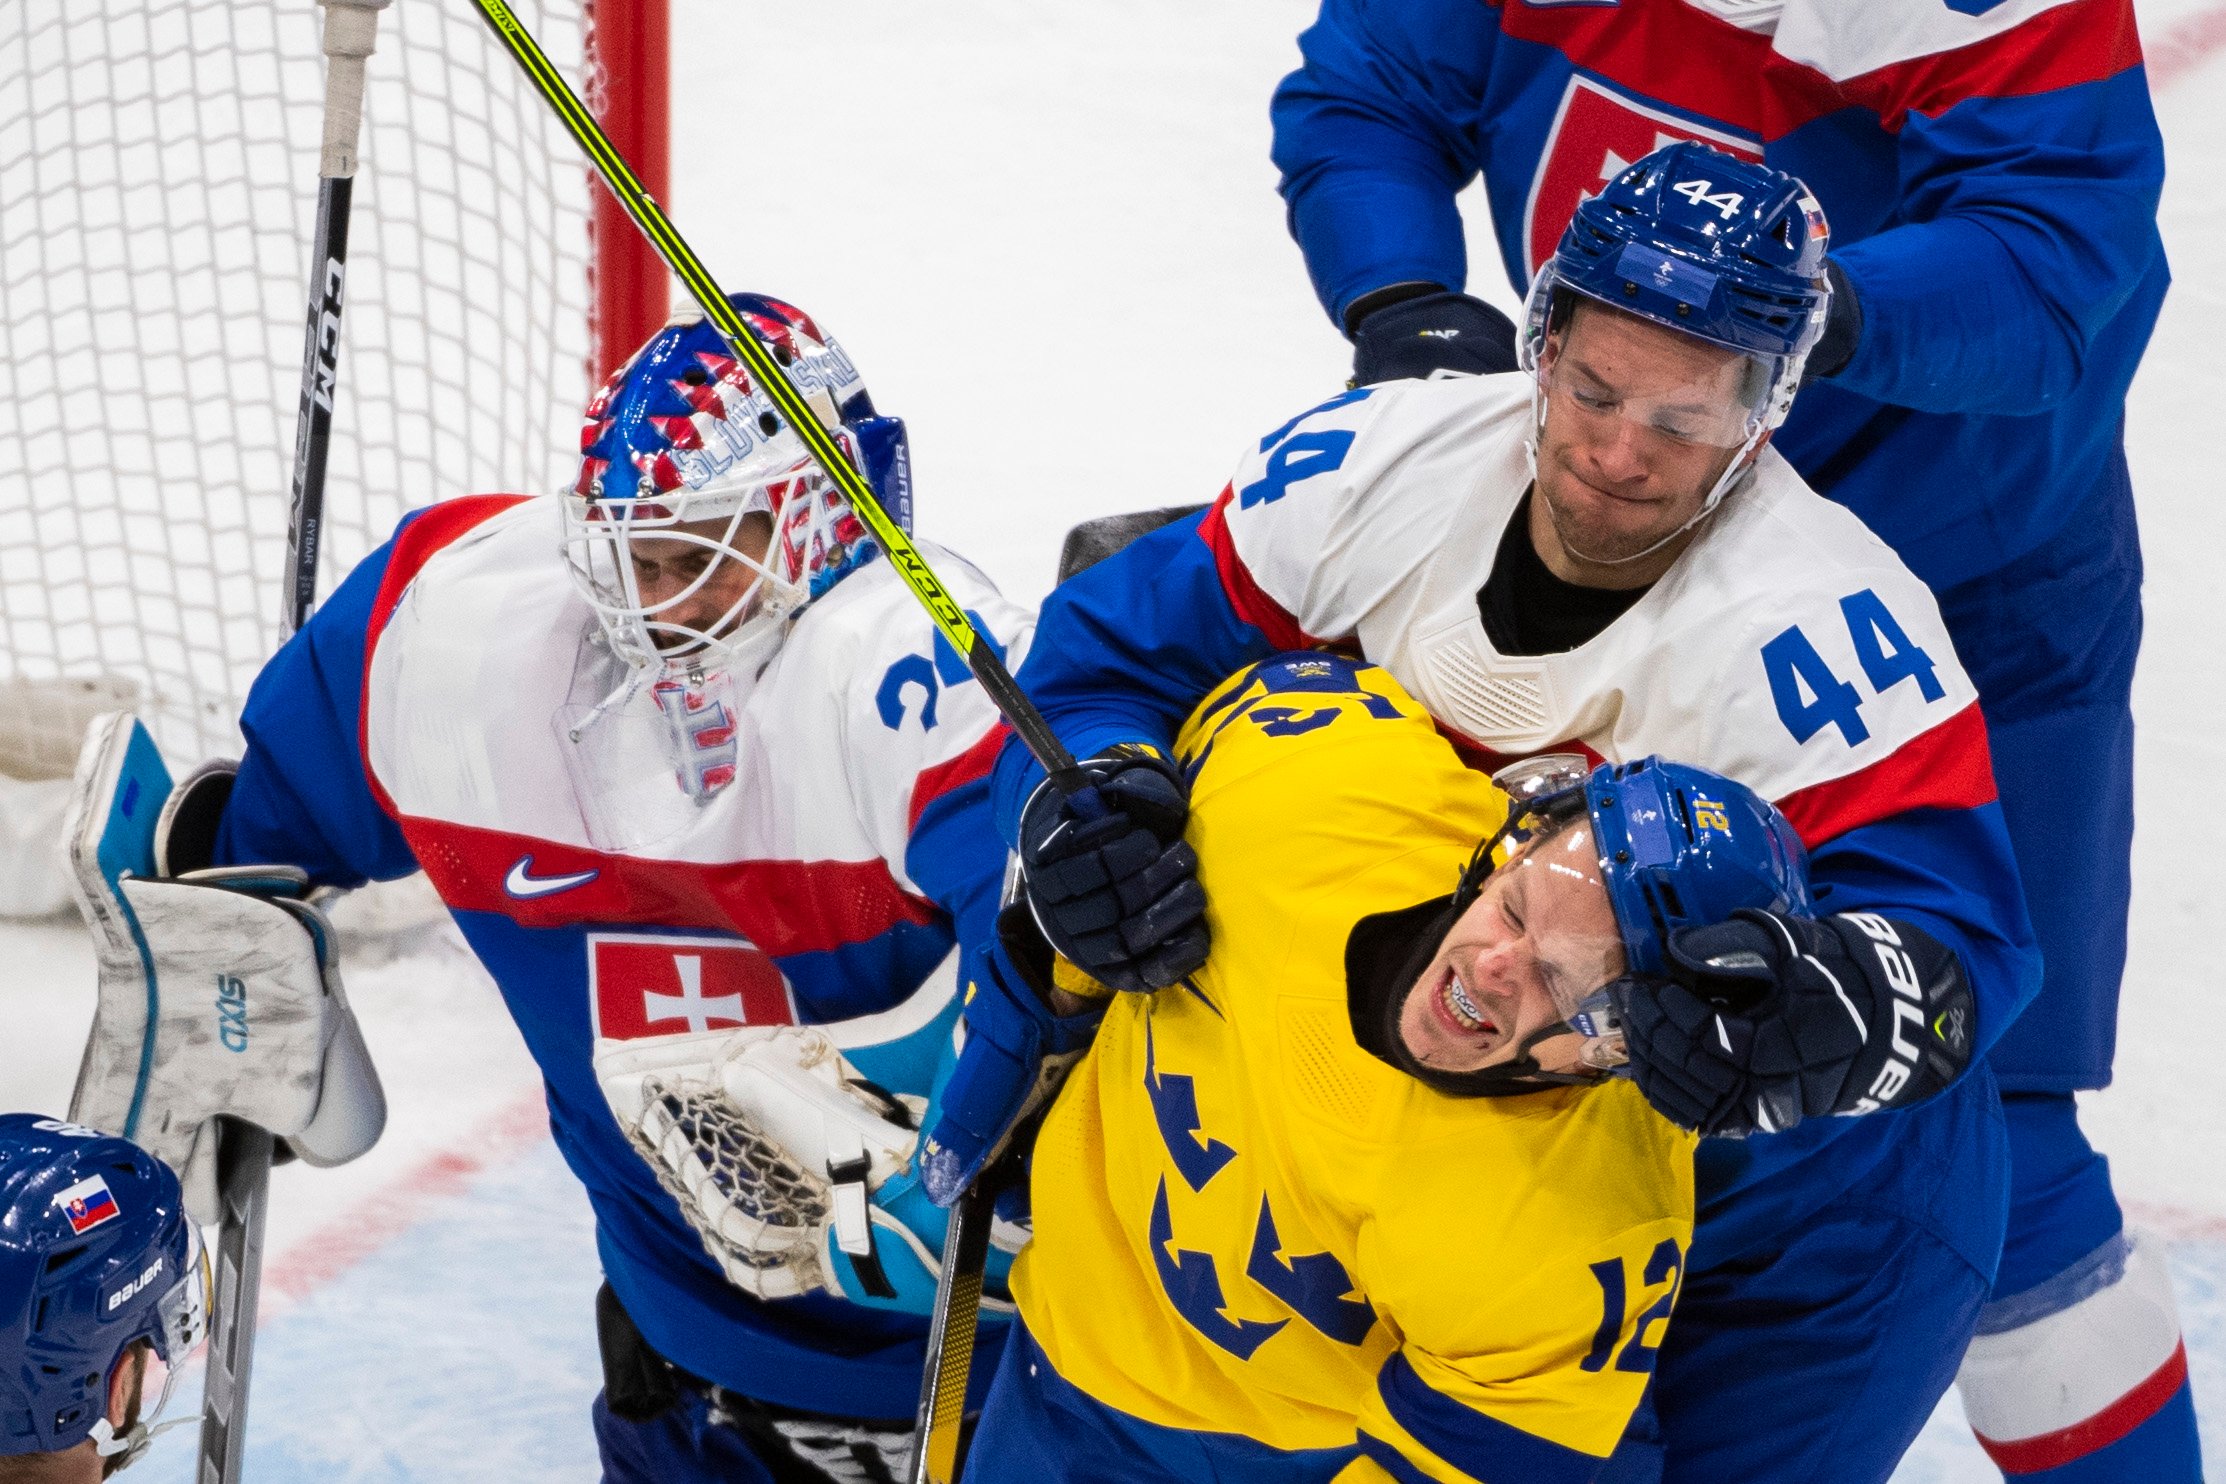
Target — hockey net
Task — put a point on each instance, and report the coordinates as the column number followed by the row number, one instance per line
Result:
column 158, row 167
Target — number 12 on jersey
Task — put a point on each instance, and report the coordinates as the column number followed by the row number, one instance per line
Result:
column 1666, row 1265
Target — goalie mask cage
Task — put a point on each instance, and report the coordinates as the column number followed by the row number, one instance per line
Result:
column 158, row 183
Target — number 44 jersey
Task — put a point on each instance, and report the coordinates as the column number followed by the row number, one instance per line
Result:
column 1787, row 647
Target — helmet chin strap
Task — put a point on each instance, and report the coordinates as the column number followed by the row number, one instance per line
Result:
column 133, row 1441
column 1735, row 473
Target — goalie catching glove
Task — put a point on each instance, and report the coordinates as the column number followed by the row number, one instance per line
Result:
column 1768, row 1019
column 219, row 993
column 797, row 1173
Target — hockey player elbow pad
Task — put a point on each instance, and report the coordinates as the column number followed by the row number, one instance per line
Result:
column 1770, row 1019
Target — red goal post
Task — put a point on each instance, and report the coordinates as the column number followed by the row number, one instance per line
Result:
column 158, row 170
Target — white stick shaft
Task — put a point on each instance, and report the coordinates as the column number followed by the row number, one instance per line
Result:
column 351, row 32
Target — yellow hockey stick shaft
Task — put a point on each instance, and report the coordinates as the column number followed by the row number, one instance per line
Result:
column 949, row 618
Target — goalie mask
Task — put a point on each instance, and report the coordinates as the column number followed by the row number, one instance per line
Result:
column 1583, row 886
column 699, row 526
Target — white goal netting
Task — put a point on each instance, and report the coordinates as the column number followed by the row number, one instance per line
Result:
column 158, row 176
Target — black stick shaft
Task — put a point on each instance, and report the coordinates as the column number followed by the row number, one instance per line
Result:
column 243, row 1150
column 320, row 380
column 243, row 1195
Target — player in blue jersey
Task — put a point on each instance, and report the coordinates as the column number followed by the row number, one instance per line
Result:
column 1991, row 174
column 708, row 799
column 104, row 1292
column 1606, row 554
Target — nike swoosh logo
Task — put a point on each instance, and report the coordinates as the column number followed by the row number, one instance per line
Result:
column 521, row 882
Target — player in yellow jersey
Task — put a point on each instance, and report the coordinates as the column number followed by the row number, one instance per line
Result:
column 1358, row 1200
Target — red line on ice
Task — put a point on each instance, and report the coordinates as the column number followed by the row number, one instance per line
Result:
column 332, row 1249
column 2176, row 1223
column 2185, row 46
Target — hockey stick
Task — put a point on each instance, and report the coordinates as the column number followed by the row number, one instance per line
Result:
column 950, row 1341
column 623, row 184
column 966, row 1243
column 244, row 1151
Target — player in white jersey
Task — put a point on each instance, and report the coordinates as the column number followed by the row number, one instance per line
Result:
column 1602, row 554
column 707, row 795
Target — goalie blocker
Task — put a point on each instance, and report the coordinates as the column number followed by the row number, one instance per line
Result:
column 219, row 993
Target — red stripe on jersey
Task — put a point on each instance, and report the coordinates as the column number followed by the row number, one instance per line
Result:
column 1252, row 605
column 2085, row 41
column 974, row 763
column 2055, row 1449
column 1949, row 767
column 1645, row 46
column 783, row 906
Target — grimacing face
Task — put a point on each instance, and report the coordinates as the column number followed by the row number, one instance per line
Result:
column 1640, row 424
column 1539, row 938
column 666, row 565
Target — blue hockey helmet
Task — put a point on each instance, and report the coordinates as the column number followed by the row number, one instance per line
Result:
column 1684, row 847
column 681, row 435
column 97, row 1253
column 1676, row 846
column 1709, row 245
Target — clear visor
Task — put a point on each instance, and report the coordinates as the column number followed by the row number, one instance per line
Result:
column 185, row 1308
column 1532, row 946
column 1724, row 402
column 1553, row 896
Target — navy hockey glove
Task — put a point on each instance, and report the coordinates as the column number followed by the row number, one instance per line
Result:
column 1118, row 894
column 1018, row 1050
column 1402, row 335
column 1768, row 1019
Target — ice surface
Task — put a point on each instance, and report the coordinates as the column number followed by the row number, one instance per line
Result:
column 1049, row 235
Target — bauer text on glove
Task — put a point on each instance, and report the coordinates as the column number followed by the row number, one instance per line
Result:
column 1768, row 1019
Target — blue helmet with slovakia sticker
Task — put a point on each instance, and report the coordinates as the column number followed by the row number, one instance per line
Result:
column 97, row 1253
column 1684, row 847
column 1706, row 244
column 680, row 445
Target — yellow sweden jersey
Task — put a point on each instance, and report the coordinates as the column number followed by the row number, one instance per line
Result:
column 1246, row 1224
